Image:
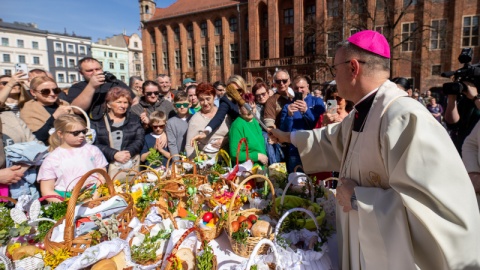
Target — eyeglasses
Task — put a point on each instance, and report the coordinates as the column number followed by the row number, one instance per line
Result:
column 156, row 93
column 333, row 69
column 47, row 91
column 260, row 95
column 284, row 81
column 159, row 126
column 220, row 89
column 77, row 132
column 181, row 105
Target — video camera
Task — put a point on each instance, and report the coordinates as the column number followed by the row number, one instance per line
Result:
column 469, row 73
column 109, row 77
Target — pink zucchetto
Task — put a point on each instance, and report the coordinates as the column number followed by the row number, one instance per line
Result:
column 371, row 41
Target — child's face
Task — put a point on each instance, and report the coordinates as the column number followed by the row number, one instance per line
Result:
column 182, row 107
column 158, row 127
column 75, row 136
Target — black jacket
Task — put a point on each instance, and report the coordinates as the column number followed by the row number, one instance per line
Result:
column 133, row 136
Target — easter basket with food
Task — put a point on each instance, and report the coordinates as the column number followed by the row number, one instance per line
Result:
column 263, row 262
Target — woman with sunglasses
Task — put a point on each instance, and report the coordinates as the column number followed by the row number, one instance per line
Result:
column 69, row 159
column 12, row 93
column 40, row 113
column 227, row 107
column 120, row 134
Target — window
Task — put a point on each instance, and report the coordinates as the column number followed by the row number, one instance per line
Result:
column 380, row 4
column 71, row 63
column 135, row 44
column 122, row 66
column 471, row 31
column 332, row 39
column 265, row 48
column 59, row 62
column 288, row 16
column 310, row 45
column 105, row 54
column 438, row 33
column 407, row 3
column 35, row 45
column 135, row 56
column 233, row 24
column 332, row 8
column 408, row 38
column 353, row 31
column 4, row 41
column 20, row 43
column 176, row 33
column 72, row 78
column 58, row 47
column 82, row 49
column 21, row 59
column 70, row 48
column 358, row 6
column 288, row 47
column 61, row 78
column 234, row 53
column 436, row 70
column 115, row 55
column 191, row 59
column 111, row 65
column 36, row 60
column 204, row 56
column 152, row 37
column 178, row 60
column 165, row 60
column 138, row 67
column 203, row 29
column 379, row 29
column 154, row 61
column 219, row 55
column 190, row 31
column 122, row 78
column 110, row 54
column 164, row 35
column 310, row 12
column 218, row 27
column 8, row 72
column 6, row 58
column 265, row 20
column 246, row 21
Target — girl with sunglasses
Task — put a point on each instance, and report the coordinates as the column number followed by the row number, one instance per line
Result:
column 40, row 113
column 158, row 121
column 69, row 159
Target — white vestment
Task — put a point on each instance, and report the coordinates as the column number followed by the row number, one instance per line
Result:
column 416, row 204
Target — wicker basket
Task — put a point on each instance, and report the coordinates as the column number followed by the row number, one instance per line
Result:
column 261, row 244
column 79, row 244
column 171, row 257
column 209, row 233
column 245, row 249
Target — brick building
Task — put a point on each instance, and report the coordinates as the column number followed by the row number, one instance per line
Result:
column 210, row 40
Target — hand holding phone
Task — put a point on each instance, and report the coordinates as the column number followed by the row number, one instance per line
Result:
column 332, row 106
column 20, row 67
column 298, row 96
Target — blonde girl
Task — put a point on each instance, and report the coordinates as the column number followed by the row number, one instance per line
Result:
column 70, row 158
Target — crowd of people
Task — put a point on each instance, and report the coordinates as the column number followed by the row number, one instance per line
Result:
column 392, row 154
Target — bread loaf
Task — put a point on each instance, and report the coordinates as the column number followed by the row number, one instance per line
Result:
column 187, row 258
column 105, row 264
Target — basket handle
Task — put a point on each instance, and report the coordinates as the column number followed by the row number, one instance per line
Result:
column 262, row 242
column 308, row 212
column 222, row 153
column 169, row 215
column 239, row 146
column 69, row 222
column 128, row 172
column 230, row 207
column 183, row 237
column 174, row 174
column 161, row 184
column 3, row 198
column 309, row 180
column 140, row 173
column 330, row 179
column 171, row 159
column 43, row 198
column 87, row 119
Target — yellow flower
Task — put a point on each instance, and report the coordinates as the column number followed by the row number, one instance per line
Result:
column 136, row 195
column 11, row 248
column 117, row 182
column 56, row 258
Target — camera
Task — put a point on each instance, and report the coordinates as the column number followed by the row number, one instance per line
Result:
column 469, row 73
column 109, row 77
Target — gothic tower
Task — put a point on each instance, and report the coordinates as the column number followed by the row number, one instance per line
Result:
column 147, row 9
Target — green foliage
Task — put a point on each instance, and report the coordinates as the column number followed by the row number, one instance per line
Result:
column 145, row 200
column 205, row 261
column 20, row 230
column 6, row 222
column 242, row 234
column 55, row 211
column 154, row 157
column 146, row 251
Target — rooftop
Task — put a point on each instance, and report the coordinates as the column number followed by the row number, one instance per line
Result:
column 183, row 7
column 32, row 27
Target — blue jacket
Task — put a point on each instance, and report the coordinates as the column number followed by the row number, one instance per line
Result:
column 305, row 121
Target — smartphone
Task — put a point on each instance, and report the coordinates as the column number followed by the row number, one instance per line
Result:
column 332, row 106
column 21, row 67
column 298, row 96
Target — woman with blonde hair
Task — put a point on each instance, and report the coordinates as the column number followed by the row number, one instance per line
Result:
column 12, row 92
column 70, row 158
column 40, row 113
column 227, row 107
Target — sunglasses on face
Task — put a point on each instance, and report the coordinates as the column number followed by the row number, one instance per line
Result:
column 77, row 132
column 281, row 81
column 260, row 95
column 158, row 126
column 47, row 91
column 156, row 93
column 181, row 105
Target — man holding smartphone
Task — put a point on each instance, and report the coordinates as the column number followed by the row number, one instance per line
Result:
column 301, row 114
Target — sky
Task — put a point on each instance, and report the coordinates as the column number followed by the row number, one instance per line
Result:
column 91, row 18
